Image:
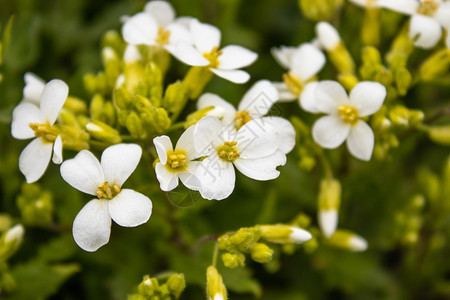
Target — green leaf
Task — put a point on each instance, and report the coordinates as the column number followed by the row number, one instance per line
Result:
column 6, row 36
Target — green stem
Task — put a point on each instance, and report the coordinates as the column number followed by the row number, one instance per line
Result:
column 215, row 253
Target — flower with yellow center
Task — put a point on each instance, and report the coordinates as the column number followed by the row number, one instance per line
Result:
column 176, row 163
column 128, row 208
column 204, row 51
column 253, row 150
column 255, row 104
column 343, row 115
column 30, row 121
column 428, row 17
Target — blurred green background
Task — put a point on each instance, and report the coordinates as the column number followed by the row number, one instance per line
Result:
column 61, row 39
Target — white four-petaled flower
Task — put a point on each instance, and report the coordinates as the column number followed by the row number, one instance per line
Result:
column 177, row 163
column 205, row 51
column 30, row 121
column 253, row 150
column 343, row 115
column 427, row 19
column 92, row 226
column 255, row 104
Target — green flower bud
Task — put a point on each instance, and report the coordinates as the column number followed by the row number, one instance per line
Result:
column 122, row 98
column 75, row 105
column 233, row 260
column 176, row 284
column 174, row 97
column 329, row 201
column 135, row 126
column 224, row 242
column 347, row 240
column 103, row 133
column 195, row 81
column 147, row 287
column 319, row 10
column 196, row 116
column 113, row 39
column 403, row 80
column 261, row 253
column 342, row 59
column 163, row 121
column 435, row 66
column 215, row 289
column 35, row 205
column 283, row 234
column 5, row 222
column 10, row 241
column 440, row 134
column 370, row 31
column 348, row 81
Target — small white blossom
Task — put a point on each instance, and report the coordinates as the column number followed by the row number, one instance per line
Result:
column 205, row 52
column 344, row 112
column 31, row 121
column 255, row 104
column 303, row 63
column 253, row 150
column 156, row 26
column 177, row 164
column 128, row 208
column 427, row 19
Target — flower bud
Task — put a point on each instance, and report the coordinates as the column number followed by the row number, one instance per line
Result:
column 147, row 286
column 176, row 284
column 174, row 98
column 261, row 253
column 347, row 240
column 319, row 10
column 134, row 126
column 370, row 31
column 329, row 202
column 440, row 134
column 75, row 105
column 35, row 205
column 195, row 81
column 196, row 116
column 435, row 66
column 215, row 289
column 113, row 40
column 284, row 234
column 103, row 133
column 233, row 260
column 10, row 241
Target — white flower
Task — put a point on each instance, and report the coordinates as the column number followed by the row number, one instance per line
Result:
column 303, row 63
column 343, row 120
column 253, row 150
column 156, row 26
column 205, row 52
column 427, row 19
column 177, row 164
column 30, row 121
column 33, row 88
column 327, row 35
column 256, row 103
column 92, row 226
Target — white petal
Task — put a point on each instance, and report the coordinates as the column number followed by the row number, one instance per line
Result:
column 283, row 55
column 328, row 35
column 328, row 221
column 167, row 180
column 140, row 29
column 92, row 226
column 57, row 151
column 330, row 132
column 285, row 132
column 83, row 172
column 23, row 115
column 131, row 54
column 407, row 7
column 228, row 112
column 358, row 243
column 34, row 159
column 308, row 99
column 235, row 76
column 207, row 134
column 330, row 95
column 259, row 99
column 178, row 34
column 130, row 208
column 236, row 57
column 52, row 99
column 161, row 11
column 425, row 31
column 299, row 235
column 367, row 97
column 184, row 21
column 443, row 15
column 257, row 138
column 284, row 94
column 307, row 61
column 162, row 145
column 33, row 88
column 360, row 141
column 189, row 178
column 216, row 177
column 186, row 143
column 263, row 168
column 206, row 36
column 187, row 54
column 119, row 161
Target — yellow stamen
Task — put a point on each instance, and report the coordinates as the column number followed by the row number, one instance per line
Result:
column 176, row 161
column 163, row 36
column 106, row 191
column 348, row 114
column 242, row 117
column 293, row 83
column 45, row 131
column 213, row 57
column 428, row 7
column 228, row 151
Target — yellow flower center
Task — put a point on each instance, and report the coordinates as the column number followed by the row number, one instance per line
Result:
column 228, row 151
column 242, row 117
column 45, row 131
column 213, row 57
column 428, row 7
column 163, row 36
column 293, row 83
column 176, row 161
column 348, row 114
column 106, row 191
